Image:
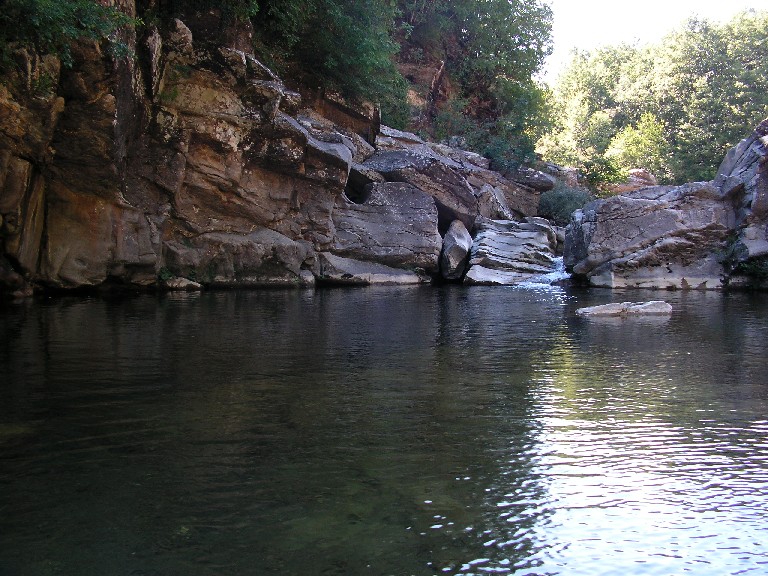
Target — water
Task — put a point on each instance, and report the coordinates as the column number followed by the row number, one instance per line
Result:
column 385, row 432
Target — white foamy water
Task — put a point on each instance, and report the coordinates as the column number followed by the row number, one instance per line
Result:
column 557, row 275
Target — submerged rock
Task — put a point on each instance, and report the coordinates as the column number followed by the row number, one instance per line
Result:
column 652, row 308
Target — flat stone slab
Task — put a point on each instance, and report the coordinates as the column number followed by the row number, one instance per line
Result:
column 350, row 272
column 652, row 308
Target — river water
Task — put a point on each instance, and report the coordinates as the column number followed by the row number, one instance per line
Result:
column 383, row 431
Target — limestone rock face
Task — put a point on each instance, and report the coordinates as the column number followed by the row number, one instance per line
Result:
column 194, row 165
column 508, row 253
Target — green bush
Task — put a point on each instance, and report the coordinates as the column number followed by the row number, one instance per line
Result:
column 49, row 26
column 559, row 203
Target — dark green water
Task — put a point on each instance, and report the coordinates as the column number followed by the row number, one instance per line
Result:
column 385, row 432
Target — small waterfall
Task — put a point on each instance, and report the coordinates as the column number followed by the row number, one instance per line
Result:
column 558, row 274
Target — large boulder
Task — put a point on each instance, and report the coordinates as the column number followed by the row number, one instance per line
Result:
column 660, row 237
column 705, row 235
column 454, row 257
column 508, row 253
column 442, row 180
column 395, row 225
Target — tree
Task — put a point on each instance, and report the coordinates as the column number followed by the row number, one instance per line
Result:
column 491, row 50
column 641, row 146
column 705, row 86
column 341, row 45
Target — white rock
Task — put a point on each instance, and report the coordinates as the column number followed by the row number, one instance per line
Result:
column 652, row 308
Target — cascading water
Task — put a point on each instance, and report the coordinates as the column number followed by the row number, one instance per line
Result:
column 557, row 275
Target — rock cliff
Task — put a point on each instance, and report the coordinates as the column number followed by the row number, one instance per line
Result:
column 706, row 235
column 193, row 164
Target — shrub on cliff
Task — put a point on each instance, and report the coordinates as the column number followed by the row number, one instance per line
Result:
column 341, row 45
column 559, row 203
column 49, row 26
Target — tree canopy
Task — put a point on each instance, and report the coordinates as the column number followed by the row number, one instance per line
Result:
column 675, row 107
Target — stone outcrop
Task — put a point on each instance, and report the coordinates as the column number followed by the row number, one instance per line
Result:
column 396, row 225
column 663, row 237
column 707, row 235
column 637, row 179
column 509, row 253
column 463, row 186
column 193, row 165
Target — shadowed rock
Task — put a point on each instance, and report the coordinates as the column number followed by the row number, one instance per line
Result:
column 396, row 225
column 455, row 254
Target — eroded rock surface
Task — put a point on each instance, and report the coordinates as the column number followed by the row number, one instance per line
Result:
column 660, row 237
column 396, row 225
column 508, row 253
column 706, row 235
column 194, row 165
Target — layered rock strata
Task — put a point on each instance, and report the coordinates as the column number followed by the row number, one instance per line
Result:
column 194, row 165
column 706, row 235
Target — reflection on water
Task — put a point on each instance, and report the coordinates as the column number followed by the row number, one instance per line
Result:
column 383, row 431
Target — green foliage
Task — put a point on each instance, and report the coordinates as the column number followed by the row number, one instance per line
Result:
column 559, row 203
column 674, row 108
column 341, row 45
column 755, row 269
column 601, row 170
column 243, row 9
column 491, row 49
column 644, row 144
column 501, row 140
column 237, row 9
column 49, row 26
